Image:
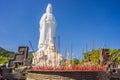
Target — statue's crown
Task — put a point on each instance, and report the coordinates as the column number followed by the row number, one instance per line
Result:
column 49, row 8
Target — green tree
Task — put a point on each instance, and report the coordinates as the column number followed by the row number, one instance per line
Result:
column 3, row 60
column 5, row 55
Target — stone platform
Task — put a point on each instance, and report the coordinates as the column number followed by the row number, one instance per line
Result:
column 66, row 75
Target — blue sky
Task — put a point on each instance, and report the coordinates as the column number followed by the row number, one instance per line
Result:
column 79, row 22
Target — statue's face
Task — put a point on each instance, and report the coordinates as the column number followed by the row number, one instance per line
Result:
column 49, row 8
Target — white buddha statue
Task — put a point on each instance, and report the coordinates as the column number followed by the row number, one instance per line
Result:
column 46, row 54
column 47, row 29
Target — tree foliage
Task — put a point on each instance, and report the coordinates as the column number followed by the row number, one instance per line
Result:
column 5, row 55
column 94, row 56
column 3, row 60
column 115, row 54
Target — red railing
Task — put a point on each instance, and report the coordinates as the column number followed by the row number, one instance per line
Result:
column 74, row 68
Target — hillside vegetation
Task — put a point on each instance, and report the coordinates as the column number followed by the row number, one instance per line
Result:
column 5, row 55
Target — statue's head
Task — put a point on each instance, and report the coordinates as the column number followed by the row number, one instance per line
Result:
column 49, row 8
